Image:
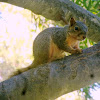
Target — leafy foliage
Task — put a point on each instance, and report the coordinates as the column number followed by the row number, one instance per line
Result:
column 91, row 5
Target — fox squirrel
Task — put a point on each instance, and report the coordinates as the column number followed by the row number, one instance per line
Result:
column 52, row 42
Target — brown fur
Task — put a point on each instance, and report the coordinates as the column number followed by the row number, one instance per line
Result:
column 55, row 52
column 52, row 42
column 73, row 43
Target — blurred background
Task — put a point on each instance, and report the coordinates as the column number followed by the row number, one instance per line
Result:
column 18, row 29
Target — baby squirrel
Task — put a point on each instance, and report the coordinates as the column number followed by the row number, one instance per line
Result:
column 52, row 42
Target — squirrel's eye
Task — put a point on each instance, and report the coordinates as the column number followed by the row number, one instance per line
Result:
column 76, row 28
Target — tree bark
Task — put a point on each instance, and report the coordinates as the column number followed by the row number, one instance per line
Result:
column 52, row 80
column 62, row 10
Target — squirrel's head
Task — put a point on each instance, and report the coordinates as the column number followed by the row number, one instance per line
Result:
column 77, row 29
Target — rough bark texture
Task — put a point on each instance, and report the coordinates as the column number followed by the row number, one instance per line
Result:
column 51, row 80
column 60, row 10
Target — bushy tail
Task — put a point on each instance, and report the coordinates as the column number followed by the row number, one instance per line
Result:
column 19, row 71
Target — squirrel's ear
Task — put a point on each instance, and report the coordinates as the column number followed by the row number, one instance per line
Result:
column 72, row 21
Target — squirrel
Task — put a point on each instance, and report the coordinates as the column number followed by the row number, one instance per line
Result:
column 51, row 43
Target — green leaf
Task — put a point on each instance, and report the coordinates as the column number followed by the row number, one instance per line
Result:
column 84, row 3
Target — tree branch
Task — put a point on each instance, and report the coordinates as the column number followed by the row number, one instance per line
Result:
column 52, row 80
column 62, row 10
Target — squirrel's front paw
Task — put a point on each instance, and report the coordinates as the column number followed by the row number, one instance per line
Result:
column 79, row 50
column 76, row 51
